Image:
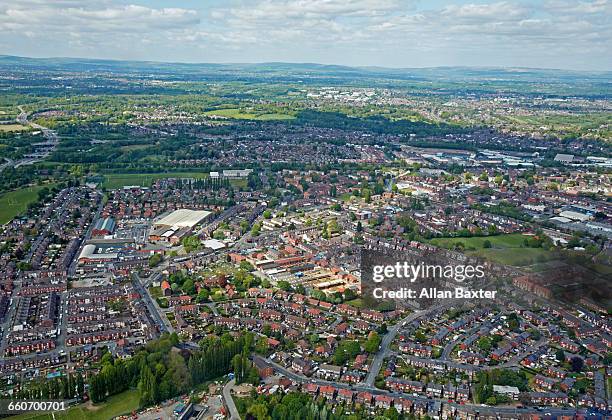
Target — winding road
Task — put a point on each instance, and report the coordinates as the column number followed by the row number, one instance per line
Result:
column 229, row 401
column 388, row 339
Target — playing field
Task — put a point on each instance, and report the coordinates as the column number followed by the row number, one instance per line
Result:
column 116, row 405
column 505, row 249
column 14, row 203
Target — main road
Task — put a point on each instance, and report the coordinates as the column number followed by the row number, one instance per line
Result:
column 154, row 309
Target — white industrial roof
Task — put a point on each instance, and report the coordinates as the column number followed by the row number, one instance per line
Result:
column 574, row 215
column 89, row 252
column 214, row 244
column 183, row 218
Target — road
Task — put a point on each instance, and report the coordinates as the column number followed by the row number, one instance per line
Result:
column 483, row 410
column 10, row 315
column 154, row 309
column 8, row 162
column 38, row 155
column 75, row 260
column 386, row 342
column 227, row 396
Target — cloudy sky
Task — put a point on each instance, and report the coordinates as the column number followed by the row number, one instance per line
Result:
column 568, row 34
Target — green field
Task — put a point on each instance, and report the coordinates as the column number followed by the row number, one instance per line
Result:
column 238, row 114
column 357, row 303
column 116, row 405
column 514, row 240
column 14, row 203
column 505, row 249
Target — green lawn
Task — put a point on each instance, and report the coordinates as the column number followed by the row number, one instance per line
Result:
column 116, row 405
column 514, row 240
column 14, row 203
column 516, row 256
column 357, row 303
column 505, row 249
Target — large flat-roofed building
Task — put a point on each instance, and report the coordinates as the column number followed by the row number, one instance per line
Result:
column 91, row 254
column 104, row 227
column 182, row 218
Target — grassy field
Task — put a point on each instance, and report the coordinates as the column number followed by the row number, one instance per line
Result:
column 497, row 242
column 13, row 127
column 116, row 405
column 505, row 249
column 357, row 303
column 238, row 114
column 14, row 203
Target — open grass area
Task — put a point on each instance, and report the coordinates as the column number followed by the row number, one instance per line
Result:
column 357, row 303
column 13, row 203
column 514, row 240
column 517, row 257
column 238, row 114
column 505, row 249
column 13, row 127
column 119, row 404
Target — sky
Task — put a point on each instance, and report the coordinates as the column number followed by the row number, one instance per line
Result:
column 565, row 34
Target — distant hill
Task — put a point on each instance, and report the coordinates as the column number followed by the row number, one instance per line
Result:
column 296, row 72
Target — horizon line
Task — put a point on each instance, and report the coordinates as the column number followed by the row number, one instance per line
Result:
column 361, row 67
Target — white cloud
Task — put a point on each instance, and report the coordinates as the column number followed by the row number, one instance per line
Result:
column 73, row 17
column 544, row 33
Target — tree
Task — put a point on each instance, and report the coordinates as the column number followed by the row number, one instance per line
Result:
column 189, row 287
column 349, row 294
column 359, row 226
column 154, row 260
column 484, row 343
column 391, row 414
column 147, row 387
column 203, row 296
column 259, row 411
column 577, row 363
column 486, row 244
column 284, row 285
column 80, row 384
column 97, row 391
column 560, row 355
